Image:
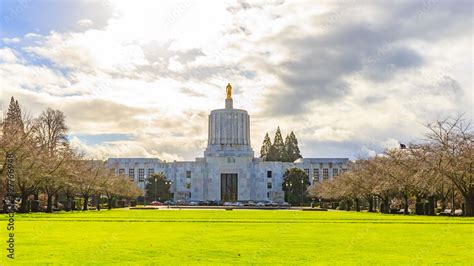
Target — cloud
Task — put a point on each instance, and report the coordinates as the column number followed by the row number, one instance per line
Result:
column 11, row 40
column 85, row 22
column 7, row 55
column 349, row 77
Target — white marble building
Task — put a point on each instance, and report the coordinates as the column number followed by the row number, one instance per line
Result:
column 229, row 171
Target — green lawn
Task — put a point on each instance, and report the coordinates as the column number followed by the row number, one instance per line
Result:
column 176, row 237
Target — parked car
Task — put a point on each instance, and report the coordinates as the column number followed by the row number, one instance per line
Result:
column 284, row 204
column 238, row 204
column 214, row 203
column 203, row 203
column 180, row 202
column 260, row 204
column 227, row 203
column 250, row 203
column 155, row 203
column 273, row 204
column 169, row 202
column 193, row 203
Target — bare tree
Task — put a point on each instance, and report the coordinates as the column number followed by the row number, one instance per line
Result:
column 451, row 145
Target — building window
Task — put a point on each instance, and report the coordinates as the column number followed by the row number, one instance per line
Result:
column 122, row 171
column 112, row 170
column 188, row 174
column 330, row 165
column 268, row 194
column 188, row 185
column 335, row 172
column 307, row 172
column 316, row 174
column 269, row 185
column 151, row 171
column 325, row 174
column 131, row 174
column 269, row 174
column 141, row 175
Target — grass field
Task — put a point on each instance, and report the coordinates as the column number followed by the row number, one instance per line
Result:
column 176, row 237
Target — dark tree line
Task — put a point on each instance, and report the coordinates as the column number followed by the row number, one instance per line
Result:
column 287, row 151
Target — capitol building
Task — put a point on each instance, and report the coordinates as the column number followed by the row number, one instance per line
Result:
column 228, row 171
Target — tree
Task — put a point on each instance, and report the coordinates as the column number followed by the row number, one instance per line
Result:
column 287, row 155
column 451, row 145
column 157, row 187
column 87, row 180
column 266, row 146
column 295, row 182
column 50, row 133
column 277, row 150
column 401, row 167
column 13, row 127
column 113, row 186
column 17, row 140
column 292, row 151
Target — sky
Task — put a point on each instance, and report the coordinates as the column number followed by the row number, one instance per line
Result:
column 139, row 78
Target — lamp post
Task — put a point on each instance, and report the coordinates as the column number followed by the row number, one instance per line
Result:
column 169, row 183
column 289, row 194
column 302, row 191
column 156, row 189
column 144, row 190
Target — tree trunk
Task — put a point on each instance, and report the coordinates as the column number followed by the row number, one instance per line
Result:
column 469, row 204
column 98, row 203
column 56, row 200
column 357, row 205
column 67, row 205
column 371, row 203
column 405, row 204
column 419, row 205
column 110, row 200
column 386, row 206
column 86, row 201
column 49, row 207
column 431, row 205
column 24, row 208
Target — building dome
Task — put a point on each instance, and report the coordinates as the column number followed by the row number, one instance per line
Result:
column 229, row 130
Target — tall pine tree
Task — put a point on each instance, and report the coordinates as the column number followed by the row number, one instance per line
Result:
column 266, row 146
column 296, row 154
column 277, row 151
column 13, row 128
column 291, row 147
column 288, row 149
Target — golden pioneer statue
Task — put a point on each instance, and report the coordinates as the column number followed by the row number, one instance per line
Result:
column 229, row 91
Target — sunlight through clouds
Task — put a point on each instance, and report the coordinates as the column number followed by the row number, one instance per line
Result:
column 356, row 73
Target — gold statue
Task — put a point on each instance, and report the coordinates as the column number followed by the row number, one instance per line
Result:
column 229, row 91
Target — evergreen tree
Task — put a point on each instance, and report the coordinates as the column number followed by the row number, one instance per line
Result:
column 266, row 146
column 157, row 187
column 292, row 149
column 13, row 124
column 288, row 149
column 277, row 150
column 295, row 183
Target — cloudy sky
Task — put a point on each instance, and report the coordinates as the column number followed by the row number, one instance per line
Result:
column 139, row 78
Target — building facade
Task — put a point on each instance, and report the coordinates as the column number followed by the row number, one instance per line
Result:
column 228, row 171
